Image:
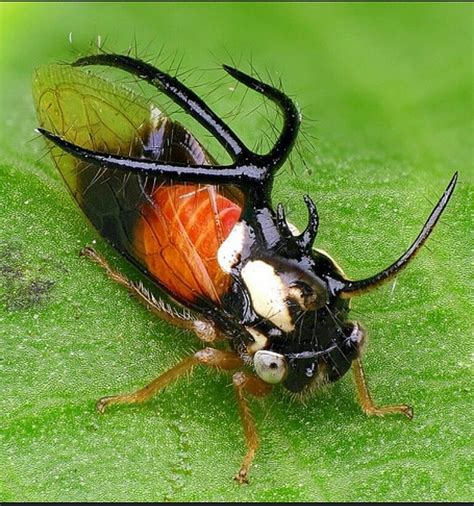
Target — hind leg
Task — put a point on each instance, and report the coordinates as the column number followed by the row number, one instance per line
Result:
column 183, row 319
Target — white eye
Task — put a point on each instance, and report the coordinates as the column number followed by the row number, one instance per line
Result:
column 270, row 366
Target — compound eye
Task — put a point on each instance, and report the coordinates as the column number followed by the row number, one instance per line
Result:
column 270, row 366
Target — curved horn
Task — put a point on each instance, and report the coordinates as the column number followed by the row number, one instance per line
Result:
column 292, row 118
column 175, row 90
column 306, row 239
column 353, row 288
column 208, row 174
column 248, row 168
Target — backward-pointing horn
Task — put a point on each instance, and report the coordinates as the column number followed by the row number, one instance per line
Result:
column 247, row 169
column 352, row 288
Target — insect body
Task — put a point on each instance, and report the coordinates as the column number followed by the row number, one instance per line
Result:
column 269, row 306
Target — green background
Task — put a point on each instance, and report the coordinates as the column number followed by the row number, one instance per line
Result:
column 390, row 89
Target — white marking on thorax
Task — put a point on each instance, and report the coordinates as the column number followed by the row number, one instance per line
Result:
column 261, row 340
column 268, row 293
column 236, row 247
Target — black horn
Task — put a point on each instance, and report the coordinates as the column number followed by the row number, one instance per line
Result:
column 353, row 288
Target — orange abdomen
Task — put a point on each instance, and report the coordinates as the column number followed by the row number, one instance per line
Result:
column 178, row 235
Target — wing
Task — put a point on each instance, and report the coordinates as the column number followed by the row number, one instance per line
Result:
column 171, row 232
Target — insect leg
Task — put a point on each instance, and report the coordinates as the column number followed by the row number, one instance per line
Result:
column 157, row 306
column 175, row 90
column 255, row 386
column 365, row 399
column 210, row 357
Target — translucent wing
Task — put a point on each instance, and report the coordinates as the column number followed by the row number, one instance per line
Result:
column 170, row 231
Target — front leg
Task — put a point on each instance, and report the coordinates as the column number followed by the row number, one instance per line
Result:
column 210, row 357
column 365, row 399
column 255, row 386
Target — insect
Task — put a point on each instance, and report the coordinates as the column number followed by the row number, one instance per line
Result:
column 265, row 303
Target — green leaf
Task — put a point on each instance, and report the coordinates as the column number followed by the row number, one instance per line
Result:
column 390, row 86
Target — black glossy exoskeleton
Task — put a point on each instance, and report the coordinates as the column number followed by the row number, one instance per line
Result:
column 267, row 303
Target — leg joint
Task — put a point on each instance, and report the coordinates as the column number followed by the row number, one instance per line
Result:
column 239, row 379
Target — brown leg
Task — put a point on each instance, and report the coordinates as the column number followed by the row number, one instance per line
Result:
column 256, row 387
column 208, row 356
column 365, row 399
column 182, row 319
